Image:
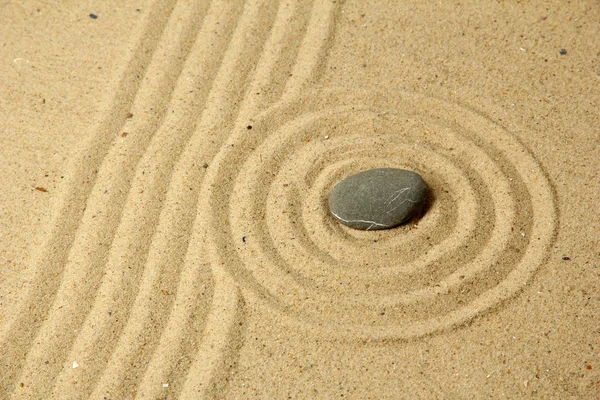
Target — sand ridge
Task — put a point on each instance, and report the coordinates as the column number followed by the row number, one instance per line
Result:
column 147, row 154
column 196, row 209
column 310, row 268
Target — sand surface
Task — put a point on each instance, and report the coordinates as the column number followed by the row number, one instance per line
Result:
column 163, row 186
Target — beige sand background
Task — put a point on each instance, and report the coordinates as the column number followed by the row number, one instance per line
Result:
column 164, row 173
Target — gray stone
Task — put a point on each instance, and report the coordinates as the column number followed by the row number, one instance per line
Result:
column 378, row 198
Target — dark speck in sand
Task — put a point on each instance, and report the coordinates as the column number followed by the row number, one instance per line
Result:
column 93, row 16
column 563, row 52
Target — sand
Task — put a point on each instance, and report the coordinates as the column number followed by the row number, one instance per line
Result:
column 163, row 189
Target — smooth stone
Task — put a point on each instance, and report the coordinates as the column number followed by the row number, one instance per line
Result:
column 379, row 198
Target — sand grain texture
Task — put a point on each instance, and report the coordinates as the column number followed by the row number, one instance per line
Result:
column 166, row 233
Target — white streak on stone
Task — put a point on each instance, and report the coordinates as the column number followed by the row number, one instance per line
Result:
column 397, row 194
column 349, row 221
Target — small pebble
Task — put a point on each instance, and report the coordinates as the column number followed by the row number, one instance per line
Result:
column 563, row 52
column 377, row 199
column 93, row 16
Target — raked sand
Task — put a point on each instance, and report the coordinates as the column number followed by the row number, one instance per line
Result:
column 165, row 168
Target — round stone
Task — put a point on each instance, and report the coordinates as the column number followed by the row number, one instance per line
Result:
column 379, row 198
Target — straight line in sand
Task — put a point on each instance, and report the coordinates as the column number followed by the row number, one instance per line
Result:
column 50, row 258
column 175, row 342
column 128, row 240
column 208, row 373
column 116, row 291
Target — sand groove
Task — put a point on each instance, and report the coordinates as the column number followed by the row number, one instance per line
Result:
column 133, row 290
column 134, row 236
column 159, row 161
column 177, row 214
column 211, row 359
column 96, row 234
column 188, row 252
column 492, row 214
column 49, row 260
column 315, row 43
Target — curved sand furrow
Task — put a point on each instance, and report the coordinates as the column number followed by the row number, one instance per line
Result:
column 341, row 249
column 203, row 380
column 316, row 41
column 216, row 356
column 460, row 284
column 159, row 279
column 140, row 215
column 182, row 191
column 278, row 58
column 190, row 252
column 50, row 257
column 128, row 253
column 104, row 211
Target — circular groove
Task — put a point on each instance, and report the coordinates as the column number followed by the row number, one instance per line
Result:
column 472, row 249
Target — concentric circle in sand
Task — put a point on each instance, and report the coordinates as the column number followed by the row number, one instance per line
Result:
column 486, row 228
